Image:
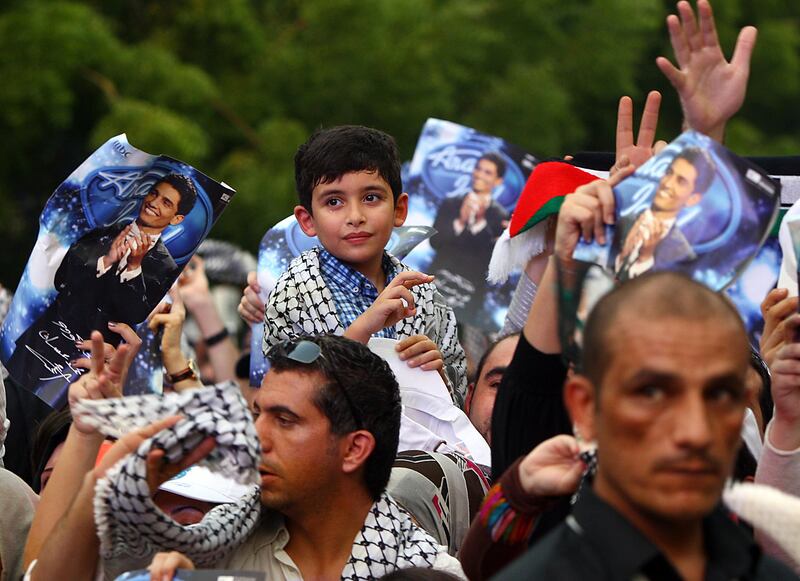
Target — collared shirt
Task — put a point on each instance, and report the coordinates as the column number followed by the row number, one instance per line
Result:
column 352, row 292
column 596, row 542
column 265, row 550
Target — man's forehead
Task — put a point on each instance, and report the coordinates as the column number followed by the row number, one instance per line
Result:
column 291, row 386
column 501, row 355
column 674, row 345
column 167, row 190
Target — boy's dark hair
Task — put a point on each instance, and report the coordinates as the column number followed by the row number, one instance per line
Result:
column 361, row 393
column 185, row 187
column 497, row 160
column 331, row 153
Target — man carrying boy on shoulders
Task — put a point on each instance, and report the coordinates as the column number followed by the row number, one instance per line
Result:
column 350, row 190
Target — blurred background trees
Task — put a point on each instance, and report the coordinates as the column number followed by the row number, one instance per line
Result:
column 234, row 86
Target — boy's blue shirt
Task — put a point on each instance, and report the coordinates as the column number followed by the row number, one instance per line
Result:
column 352, row 292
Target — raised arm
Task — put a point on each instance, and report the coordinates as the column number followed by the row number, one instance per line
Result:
column 83, row 442
column 711, row 89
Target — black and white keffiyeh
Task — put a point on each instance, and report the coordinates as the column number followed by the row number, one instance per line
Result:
column 302, row 304
column 128, row 522
column 389, row 540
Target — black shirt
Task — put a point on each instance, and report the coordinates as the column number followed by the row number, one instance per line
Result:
column 598, row 543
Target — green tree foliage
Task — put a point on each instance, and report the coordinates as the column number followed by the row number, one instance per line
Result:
column 233, row 86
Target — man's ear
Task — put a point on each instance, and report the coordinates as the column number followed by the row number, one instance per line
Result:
column 468, row 399
column 580, row 397
column 306, row 220
column 693, row 200
column 177, row 219
column 400, row 209
column 357, row 448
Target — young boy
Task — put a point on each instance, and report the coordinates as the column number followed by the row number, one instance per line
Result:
column 348, row 182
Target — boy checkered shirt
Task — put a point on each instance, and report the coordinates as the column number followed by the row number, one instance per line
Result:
column 352, row 292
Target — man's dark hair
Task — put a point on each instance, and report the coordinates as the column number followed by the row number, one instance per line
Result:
column 331, row 153
column 185, row 187
column 651, row 297
column 703, row 164
column 488, row 352
column 497, row 160
column 353, row 371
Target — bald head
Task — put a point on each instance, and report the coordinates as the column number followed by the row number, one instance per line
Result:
column 648, row 300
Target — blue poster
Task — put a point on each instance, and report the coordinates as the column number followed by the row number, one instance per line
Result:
column 465, row 184
column 694, row 208
column 112, row 239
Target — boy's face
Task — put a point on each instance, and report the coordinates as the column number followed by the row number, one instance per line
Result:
column 353, row 217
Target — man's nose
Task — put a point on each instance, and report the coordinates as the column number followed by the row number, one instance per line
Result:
column 692, row 423
column 264, row 438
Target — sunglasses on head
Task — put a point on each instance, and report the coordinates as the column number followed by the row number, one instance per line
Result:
column 307, row 352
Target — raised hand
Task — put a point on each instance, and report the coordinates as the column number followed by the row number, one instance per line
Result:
column 710, row 88
column 251, row 307
column 103, row 380
column 394, row 304
column 193, row 284
column 585, row 213
column 553, row 468
column 158, row 469
column 777, row 308
column 630, row 152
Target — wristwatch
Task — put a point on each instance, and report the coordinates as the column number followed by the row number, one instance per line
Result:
column 191, row 372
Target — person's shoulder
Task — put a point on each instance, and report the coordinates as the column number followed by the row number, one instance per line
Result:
column 773, row 569
column 558, row 555
column 301, row 266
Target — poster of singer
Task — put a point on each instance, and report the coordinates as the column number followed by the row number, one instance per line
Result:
column 465, row 184
column 112, row 239
column 695, row 208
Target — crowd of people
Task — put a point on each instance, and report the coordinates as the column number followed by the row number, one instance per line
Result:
column 611, row 467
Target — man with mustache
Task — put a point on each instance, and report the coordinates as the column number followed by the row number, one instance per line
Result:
column 662, row 392
column 652, row 238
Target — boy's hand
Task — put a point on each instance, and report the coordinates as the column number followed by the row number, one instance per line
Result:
column 419, row 351
column 394, row 304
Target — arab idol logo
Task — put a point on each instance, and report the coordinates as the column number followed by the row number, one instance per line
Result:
column 447, row 170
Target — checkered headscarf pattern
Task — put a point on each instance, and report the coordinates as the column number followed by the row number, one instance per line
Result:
column 352, row 292
column 129, row 524
column 389, row 540
column 302, row 304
